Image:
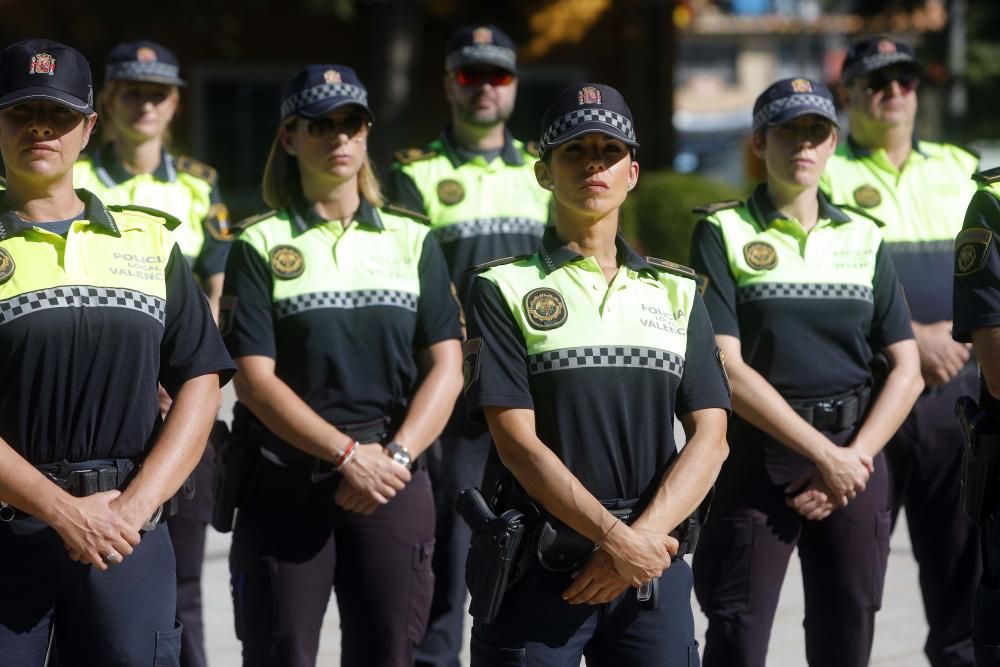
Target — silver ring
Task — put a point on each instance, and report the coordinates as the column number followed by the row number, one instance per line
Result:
column 111, row 558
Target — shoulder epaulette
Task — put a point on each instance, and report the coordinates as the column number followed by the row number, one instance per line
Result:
column 857, row 210
column 191, row 166
column 987, row 177
column 411, row 155
column 409, row 213
column 709, row 209
column 672, row 267
column 970, row 150
column 532, row 148
column 253, row 219
column 479, row 268
column 169, row 221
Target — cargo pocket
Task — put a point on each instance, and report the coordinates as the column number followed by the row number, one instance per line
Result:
column 421, row 591
column 168, row 647
column 485, row 654
column 880, row 560
column 253, row 582
column 722, row 565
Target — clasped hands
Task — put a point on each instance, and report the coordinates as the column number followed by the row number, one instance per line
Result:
column 370, row 479
column 840, row 474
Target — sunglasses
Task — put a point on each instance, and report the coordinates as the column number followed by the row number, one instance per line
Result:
column 468, row 77
column 815, row 132
column 326, row 126
column 880, row 82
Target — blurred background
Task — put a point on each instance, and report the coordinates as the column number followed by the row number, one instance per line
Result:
column 690, row 70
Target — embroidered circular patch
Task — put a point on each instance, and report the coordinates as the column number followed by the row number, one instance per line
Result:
column 6, row 266
column 867, row 197
column 760, row 255
column 287, row 262
column 971, row 250
column 450, row 191
column 545, row 308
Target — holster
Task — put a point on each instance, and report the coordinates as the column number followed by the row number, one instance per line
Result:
column 237, row 459
column 980, row 461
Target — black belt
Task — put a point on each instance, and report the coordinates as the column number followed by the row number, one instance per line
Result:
column 834, row 413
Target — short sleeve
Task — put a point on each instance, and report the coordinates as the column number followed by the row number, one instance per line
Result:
column 214, row 251
column 715, row 280
column 438, row 310
column 977, row 269
column 246, row 310
column 495, row 362
column 191, row 344
column 704, row 383
column 891, row 321
column 403, row 191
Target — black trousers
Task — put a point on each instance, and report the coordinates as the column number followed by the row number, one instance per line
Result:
column 743, row 554
column 284, row 564
column 986, row 626
column 121, row 617
column 464, row 446
column 925, row 458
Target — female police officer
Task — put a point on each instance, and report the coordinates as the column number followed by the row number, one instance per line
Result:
column 347, row 338
column 137, row 106
column 579, row 356
column 801, row 295
column 97, row 306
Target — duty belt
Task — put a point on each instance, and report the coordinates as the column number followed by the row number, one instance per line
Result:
column 834, row 413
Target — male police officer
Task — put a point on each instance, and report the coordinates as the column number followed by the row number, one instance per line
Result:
column 477, row 185
column 915, row 188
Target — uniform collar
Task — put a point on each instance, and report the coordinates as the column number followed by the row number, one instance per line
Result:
column 509, row 153
column 765, row 213
column 112, row 172
column 554, row 253
column 857, row 150
column 94, row 212
column 304, row 216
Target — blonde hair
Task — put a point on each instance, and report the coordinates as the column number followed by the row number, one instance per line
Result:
column 106, row 132
column 281, row 184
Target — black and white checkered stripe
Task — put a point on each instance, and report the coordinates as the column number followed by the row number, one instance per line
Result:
column 323, row 91
column 499, row 55
column 141, row 70
column 81, row 296
column 763, row 291
column 568, row 121
column 606, row 356
column 874, row 62
column 468, row 229
column 821, row 104
column 355, row 299
column 909, row 247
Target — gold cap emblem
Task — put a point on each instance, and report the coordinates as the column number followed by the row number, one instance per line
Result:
column 146, row 54
column 331, row 76
column 482, row 36
column 886, row 46
column 43, row 63
column 802, row 86
column 589, row 95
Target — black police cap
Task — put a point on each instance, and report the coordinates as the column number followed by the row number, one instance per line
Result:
column 319, row 89
column 874, row 53
column 143, row 60
column 787, row 99
column 40, row 69
column 481, row 45
column 583, row 108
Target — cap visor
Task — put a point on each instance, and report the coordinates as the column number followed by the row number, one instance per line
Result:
column 323, row 107
column 791, row 114
column 872, row 64
column 587, row 128
column 165, row 80
column 46, row 93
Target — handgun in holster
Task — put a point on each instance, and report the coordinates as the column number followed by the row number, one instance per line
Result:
column 980, row 489
column 236, row 460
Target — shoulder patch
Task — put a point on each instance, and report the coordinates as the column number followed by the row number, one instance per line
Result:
column 709, row 209
column 857, row 210
column 191, row 166
column 217, row 222
column 672, row 267
column 479, row 268
column 411, row 155
column 396, row 209
column 169, row 221
column 532, row 148
column 987, row 177
column 253, row 219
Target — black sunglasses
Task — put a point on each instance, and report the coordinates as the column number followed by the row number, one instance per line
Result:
column 880, row 81
column 326, row 126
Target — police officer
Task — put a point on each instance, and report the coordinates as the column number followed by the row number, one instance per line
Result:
column 476, row 183
column 579, row 356
column 340, row 316
column 133, row 166
column 977, row 320
column 97, row 306
column 916, row 188
column 801, row 294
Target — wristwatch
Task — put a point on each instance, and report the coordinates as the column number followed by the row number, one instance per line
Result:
column 399, row 454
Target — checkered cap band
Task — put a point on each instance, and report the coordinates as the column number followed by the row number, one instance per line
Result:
column 324, row 91
column 606, row 356
column 487, row 53
column 81, row 296
column 567, row 122
column 762, row 291
column 354, row 299
column 874, row 62
column 820, row 104
column 468, row 229
column 140, row 70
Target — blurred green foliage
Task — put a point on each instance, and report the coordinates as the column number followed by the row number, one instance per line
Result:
column 657, row 215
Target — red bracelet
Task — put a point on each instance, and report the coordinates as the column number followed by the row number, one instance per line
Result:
column 346, row 454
